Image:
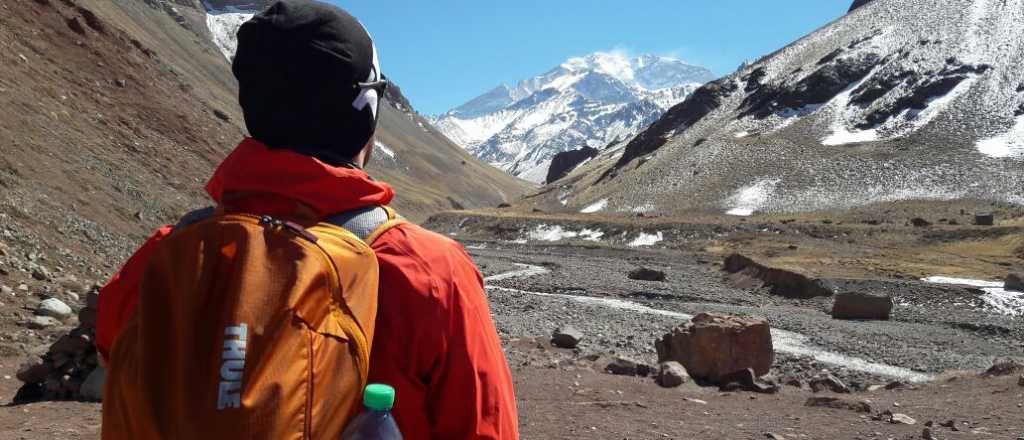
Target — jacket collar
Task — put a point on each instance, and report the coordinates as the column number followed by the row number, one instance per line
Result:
column 261, row 180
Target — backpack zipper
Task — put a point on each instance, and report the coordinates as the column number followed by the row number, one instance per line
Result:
column 334, row 281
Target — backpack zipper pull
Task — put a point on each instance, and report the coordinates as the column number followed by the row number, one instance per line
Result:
column 294, row 228
column 297, row 229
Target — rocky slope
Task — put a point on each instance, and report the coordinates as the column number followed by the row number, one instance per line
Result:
column 897, row 100
column 593, row 101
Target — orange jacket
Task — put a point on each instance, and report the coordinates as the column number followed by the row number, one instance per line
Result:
column 435, row 340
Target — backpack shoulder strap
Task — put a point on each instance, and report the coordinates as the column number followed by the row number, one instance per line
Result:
column 195, row 217
column 367, row 223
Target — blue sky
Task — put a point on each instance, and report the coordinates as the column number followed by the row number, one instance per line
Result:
column 445, row 52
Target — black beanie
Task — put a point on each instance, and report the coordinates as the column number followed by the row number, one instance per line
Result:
column 298, row 65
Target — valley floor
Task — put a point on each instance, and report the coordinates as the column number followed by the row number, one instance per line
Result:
column 939, row 339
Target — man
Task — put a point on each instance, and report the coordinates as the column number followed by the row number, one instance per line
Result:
column 309, row 88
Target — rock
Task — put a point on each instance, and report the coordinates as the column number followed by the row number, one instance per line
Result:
column 984, row 219
column 902, row 419
column 120, row 83
column 504, row 205
column 92, row 387
column 834, row 75
column 746, row 381
column 895, row 385
column 23, row 287
column 713, row 345
column 671, row 374
column 782, row 282
column 41, row 322
column 55, row 308
column 1015, row 282
column 40, row 273
column 703, row 101
column 623, row 366
column 774, row 436
column 926, row 434
column 6, row 291
column 645, row 274
column 1021, row 380
column 566, row 337
column 1003, row 368
column 30, row 392
column 76, row 26
column 33, row 371
column 859, row 305
column 563, row 163
column 919, row 222
column 838, row 403
column 220, row 114
column 830, row 383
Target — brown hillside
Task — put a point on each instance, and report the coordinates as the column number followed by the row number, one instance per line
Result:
column 113, row 114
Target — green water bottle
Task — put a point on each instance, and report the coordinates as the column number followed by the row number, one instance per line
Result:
column 376, row 421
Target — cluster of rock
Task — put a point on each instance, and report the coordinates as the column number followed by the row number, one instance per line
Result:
column 70, row 369
column 846, row 305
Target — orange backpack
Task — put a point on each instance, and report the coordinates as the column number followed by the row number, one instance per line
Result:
column 247, row 328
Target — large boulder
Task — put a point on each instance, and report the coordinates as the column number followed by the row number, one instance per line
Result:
column 1015, row 282
column 985, row 219
column 566, row 337
column 645, row 274
column 781, row 282
column 859, row 305
column 713, row 346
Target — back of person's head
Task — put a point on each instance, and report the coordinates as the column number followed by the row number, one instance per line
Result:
column 309, row 80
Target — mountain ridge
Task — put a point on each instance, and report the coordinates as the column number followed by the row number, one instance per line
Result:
column 592, row 101
column 916, row 100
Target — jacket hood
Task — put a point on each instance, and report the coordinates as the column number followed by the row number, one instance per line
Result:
column 254, row 169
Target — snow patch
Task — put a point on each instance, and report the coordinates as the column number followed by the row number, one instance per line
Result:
column 553, row 233
column 1009, row 144
column 383, row 148
column 842, row 136
column 645, row 239
column 749, row 199
column 598, row 206
column 741, row 134
column 996, row 296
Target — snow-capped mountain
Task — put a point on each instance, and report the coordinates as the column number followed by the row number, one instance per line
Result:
column 897, row 100
column 224, row 17
column 592, row 101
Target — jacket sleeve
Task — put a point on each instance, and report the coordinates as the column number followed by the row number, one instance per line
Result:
column 119, row 297
column 473, row 376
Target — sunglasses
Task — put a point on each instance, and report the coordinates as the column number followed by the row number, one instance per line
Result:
column 380, row 86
